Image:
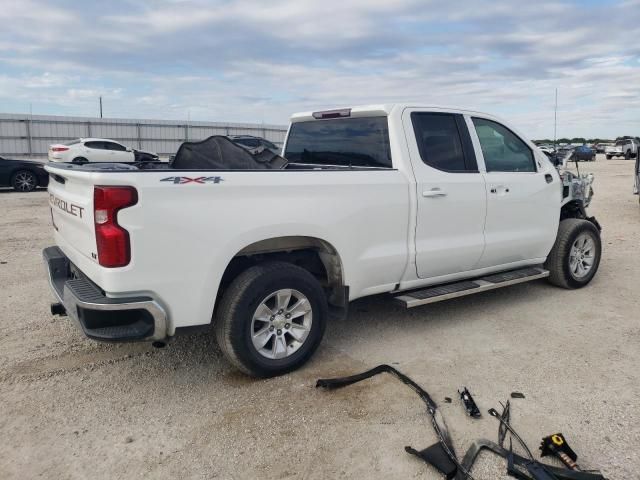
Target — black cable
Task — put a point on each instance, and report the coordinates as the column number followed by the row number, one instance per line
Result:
column 441, row 432
column 494, row 413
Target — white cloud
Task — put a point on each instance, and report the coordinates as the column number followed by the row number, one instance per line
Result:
column 252, row 60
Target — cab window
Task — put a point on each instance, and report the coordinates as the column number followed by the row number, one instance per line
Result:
column 502, row 149
column 354, row 142
column 443, row 141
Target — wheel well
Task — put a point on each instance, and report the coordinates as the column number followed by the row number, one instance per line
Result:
column 575, row 209
column 313, row 254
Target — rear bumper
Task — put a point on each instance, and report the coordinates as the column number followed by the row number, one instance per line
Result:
column 136, row 318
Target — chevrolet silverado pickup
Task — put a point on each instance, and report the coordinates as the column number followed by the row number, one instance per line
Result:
column 422, row 203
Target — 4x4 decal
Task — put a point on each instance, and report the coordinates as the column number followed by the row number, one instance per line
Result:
column 200, row 180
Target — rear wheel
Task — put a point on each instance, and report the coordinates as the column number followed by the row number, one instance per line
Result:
column 271, row 319
column 627, row 156
column 24, row 181
column 575, row 256
column 608, row 157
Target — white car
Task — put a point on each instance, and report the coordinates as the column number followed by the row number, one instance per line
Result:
column 89, row 150
column 422, row 203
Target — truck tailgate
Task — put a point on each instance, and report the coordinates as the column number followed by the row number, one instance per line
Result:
column 71, row 204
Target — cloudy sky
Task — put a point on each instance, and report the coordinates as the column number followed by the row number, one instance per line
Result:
column 261, row 60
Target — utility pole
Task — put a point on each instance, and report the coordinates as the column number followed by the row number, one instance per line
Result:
column 555, row 122
column 100, row 106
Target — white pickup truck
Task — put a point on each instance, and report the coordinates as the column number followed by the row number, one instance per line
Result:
column 422, row 203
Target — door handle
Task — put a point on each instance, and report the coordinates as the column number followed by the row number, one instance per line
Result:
column 434, row 192
column 500, row 189
column 548, row 177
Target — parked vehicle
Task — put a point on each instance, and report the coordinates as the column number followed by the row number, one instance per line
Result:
column 425, row 204
column 547, row 148
column 629, row 147
column 614, row 150
column 22, row 175
column 584, row 154
column 251, row 142
column 86, row 150
column 600, row 147
column 143, row 156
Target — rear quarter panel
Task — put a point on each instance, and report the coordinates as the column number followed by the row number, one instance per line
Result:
column 183, row 235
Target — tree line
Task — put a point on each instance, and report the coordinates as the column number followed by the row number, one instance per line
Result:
column 582, row 140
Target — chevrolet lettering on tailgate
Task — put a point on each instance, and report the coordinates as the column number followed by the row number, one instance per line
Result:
column 65, row 206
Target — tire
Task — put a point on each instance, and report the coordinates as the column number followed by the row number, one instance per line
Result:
column 80, row 160
column 236, row 319
column 24, row 181
column 627, row 156
column 608, row 157
column 559, row 262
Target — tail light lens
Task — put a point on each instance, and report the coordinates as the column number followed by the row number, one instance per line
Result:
column 59, row 149
column 114, row 247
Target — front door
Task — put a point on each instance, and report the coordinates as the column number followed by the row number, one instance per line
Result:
column 523, row 197
column 96, row 151
column 451, row 193
column 118, row 153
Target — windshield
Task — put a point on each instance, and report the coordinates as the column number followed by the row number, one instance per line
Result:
column 356, row 142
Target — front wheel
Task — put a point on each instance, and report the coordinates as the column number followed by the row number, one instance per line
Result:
column 271, row 319
column 575, row 256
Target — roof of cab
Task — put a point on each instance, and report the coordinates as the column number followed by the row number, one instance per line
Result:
column 379, row 110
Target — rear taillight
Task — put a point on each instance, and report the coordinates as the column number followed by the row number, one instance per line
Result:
column 59, row 149
column 114, row 248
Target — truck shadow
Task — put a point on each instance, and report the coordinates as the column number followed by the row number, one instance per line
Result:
column 197, row 358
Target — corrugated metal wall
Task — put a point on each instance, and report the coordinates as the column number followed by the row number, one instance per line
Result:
column 30, row 136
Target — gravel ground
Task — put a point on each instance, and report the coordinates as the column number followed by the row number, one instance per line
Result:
column 73, row 408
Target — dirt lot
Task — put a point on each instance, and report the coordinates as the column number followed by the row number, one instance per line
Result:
column 73, row 408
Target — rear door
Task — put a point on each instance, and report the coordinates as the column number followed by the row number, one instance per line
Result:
column 450, row 191
column 523, row 196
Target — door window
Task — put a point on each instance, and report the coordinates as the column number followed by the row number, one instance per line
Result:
column 115, row 146
column 503, row 150
column 440, row 143
column 95, row 145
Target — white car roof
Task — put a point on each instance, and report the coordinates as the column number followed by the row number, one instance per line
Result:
column 92, row 139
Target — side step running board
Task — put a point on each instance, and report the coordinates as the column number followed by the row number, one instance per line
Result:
column 469, row 287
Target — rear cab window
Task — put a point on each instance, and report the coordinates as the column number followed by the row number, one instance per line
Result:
column 345, row 142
